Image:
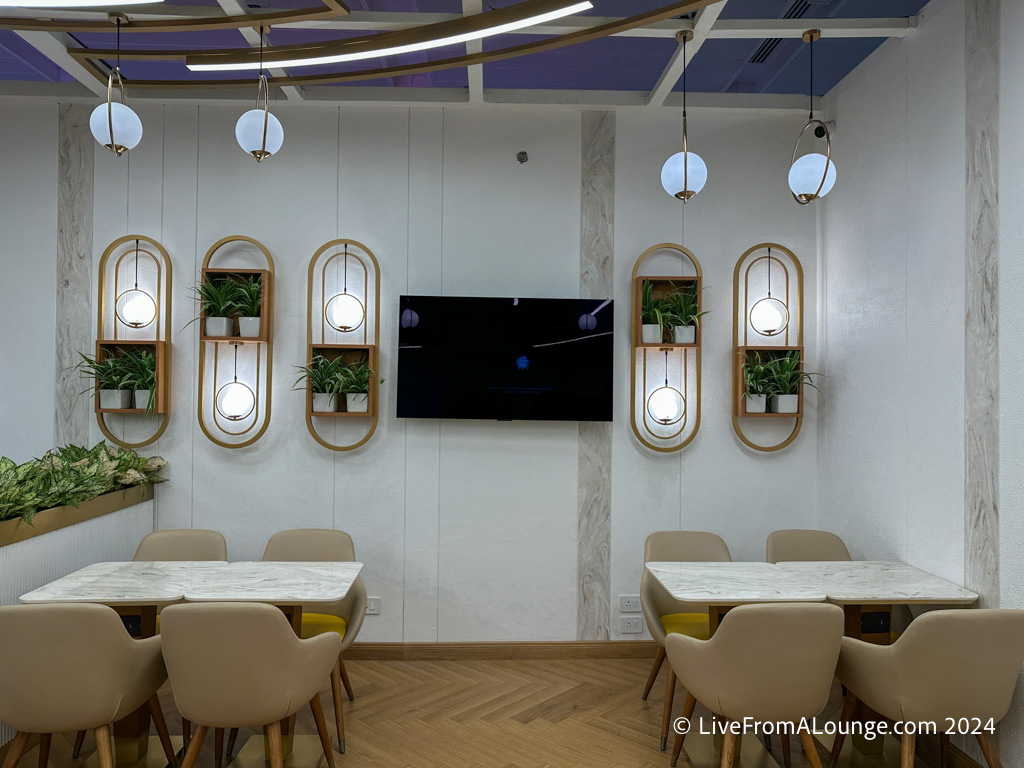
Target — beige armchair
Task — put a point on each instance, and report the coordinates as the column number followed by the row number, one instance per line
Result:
column 180, row 545
column 664, row 614
column 948, row 664
column 805, row 546
column 770, row 662
column 235, row 664
column 83, row 673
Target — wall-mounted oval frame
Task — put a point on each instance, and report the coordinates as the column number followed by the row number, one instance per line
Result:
column 114, row 335
column 255, row 423
column 355, row 343
column 766, row 257
column 646, row 358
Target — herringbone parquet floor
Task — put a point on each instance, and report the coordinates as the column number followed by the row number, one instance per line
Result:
column 485, row 714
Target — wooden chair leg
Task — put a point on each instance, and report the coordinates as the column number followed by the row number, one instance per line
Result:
column 273, row 734
column 232, row 735
column 103, row 746
column 658, row 661
column 339, row 713
column 195, row 745
column 810, row 748
column 989, row 750
column 666, row 714
column 847, row 715
column 908, row 747
column 218, row 747
column 186, row 733
column 728, row 749
column 17, row 749
column 345, row 680
column 943, row 750
column 688, row 707
column 321, row 729
column 786, row 760
column 44, row 749
column 79, row 741
column 161, row 729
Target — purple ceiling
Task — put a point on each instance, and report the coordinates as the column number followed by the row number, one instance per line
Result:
column 614, row 63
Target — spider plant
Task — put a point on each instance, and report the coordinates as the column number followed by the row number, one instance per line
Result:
column 249, row 299
column 356, row 378
column 323, row 376
column 757, row 377
column 216, row 298
column 109, row 373
column 652, row 311
column 685, row 304
column 787, row 375
column 141, row 365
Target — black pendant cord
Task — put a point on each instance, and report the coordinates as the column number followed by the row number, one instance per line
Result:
column 345, row 287
column 261, row 50
column 685, row 67
column 236, row 363
column 666, row 367
column 769, row 273
column 136, row 264
column 118, row 67
column 810, row 85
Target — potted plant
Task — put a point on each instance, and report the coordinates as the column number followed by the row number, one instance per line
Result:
column 141, row 365
column 355, row 384
column 218, row 302
column 685, row 312
column 324, row 378
column 787, row 375
column 113, row 378
column 652, row 321
column 757, row 384
column 249, row 303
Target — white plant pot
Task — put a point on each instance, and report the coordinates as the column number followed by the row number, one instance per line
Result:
column 785, row 403
column 141, row 399
column 325, row 403
column 684, row 334
column 249, row 327
column 755, row 403
column 219, row 326
column 651, row 334
column 115, row 399
column 357, row 402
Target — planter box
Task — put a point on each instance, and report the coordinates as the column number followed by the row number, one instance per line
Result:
column 13, row 531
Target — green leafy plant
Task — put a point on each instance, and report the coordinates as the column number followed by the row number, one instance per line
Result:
column 652, row 311
column 787, row 374
column 355, row 378
column 323, row 376
column 684, row 305
column 250, row 296
column 141, row 367
column 757, row 377
column 109, row 372
column 70, row 476
column 216, row 298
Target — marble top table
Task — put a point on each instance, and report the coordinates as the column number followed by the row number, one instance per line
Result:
column 878, row 583
column 731, row 584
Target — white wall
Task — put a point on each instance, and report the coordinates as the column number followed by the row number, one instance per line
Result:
column 893, row 466
column 28, row 263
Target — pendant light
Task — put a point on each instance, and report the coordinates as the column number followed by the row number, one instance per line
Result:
column 685, row 173
column 114, row 125
column 666, row 404
column 235, row 400
column 344, row 312
column 814, row 174
column 769, row 316
column 257, row 131
column 134, row 307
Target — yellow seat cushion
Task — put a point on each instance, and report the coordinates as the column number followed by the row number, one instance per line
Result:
column 692, row 624
column 314, row 624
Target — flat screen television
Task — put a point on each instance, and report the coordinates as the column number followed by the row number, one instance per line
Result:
column 505, row 359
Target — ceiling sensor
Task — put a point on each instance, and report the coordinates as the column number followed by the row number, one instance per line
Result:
column 523, row 158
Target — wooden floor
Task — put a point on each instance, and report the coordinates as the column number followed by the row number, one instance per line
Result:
column 484, row 714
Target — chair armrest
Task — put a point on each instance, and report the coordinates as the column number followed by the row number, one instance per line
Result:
column 869, row 672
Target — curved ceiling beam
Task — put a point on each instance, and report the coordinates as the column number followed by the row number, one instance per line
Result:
column 538, row 46
column 330, row 9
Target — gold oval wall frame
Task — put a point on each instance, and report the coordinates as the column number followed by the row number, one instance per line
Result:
column 162, row 264
column 374, row 347
column 741, row 341
column 268, row 332
column 636, row 346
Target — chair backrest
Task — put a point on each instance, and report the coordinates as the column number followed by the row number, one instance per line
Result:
column 66, row 666
column 804, row 546
column 768, row 662
column 960, row 663
column 232, row 664
column 181, row 544
column 310, row 545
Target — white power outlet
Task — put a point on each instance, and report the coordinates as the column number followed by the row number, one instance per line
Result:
column 629, row 603
column 372, row 606
column 631, row 625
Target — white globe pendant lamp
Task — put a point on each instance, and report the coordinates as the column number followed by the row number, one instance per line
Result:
column 345, row 312
column 235, row 400
column 769, row 316
column 666, row 405
column 812, row 176
column 257, row 131
column 134, row 307
column 685, row 173
column 114, row 125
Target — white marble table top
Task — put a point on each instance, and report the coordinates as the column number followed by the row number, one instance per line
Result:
column 170, row 582
column 867, row 582
column 733, row 583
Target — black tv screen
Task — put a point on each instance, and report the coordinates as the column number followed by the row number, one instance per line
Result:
column 514, row 359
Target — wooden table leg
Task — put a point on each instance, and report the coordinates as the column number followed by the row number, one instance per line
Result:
column 131, row 734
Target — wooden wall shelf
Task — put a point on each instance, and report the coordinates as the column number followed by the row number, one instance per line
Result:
column 106, row 349
column 238, row 275
column 765, row 353
column 662, row 288
column 349, row 353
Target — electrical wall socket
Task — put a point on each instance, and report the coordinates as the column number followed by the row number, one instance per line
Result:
column 631, row 625
column 372, row 606
column 629, row 603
